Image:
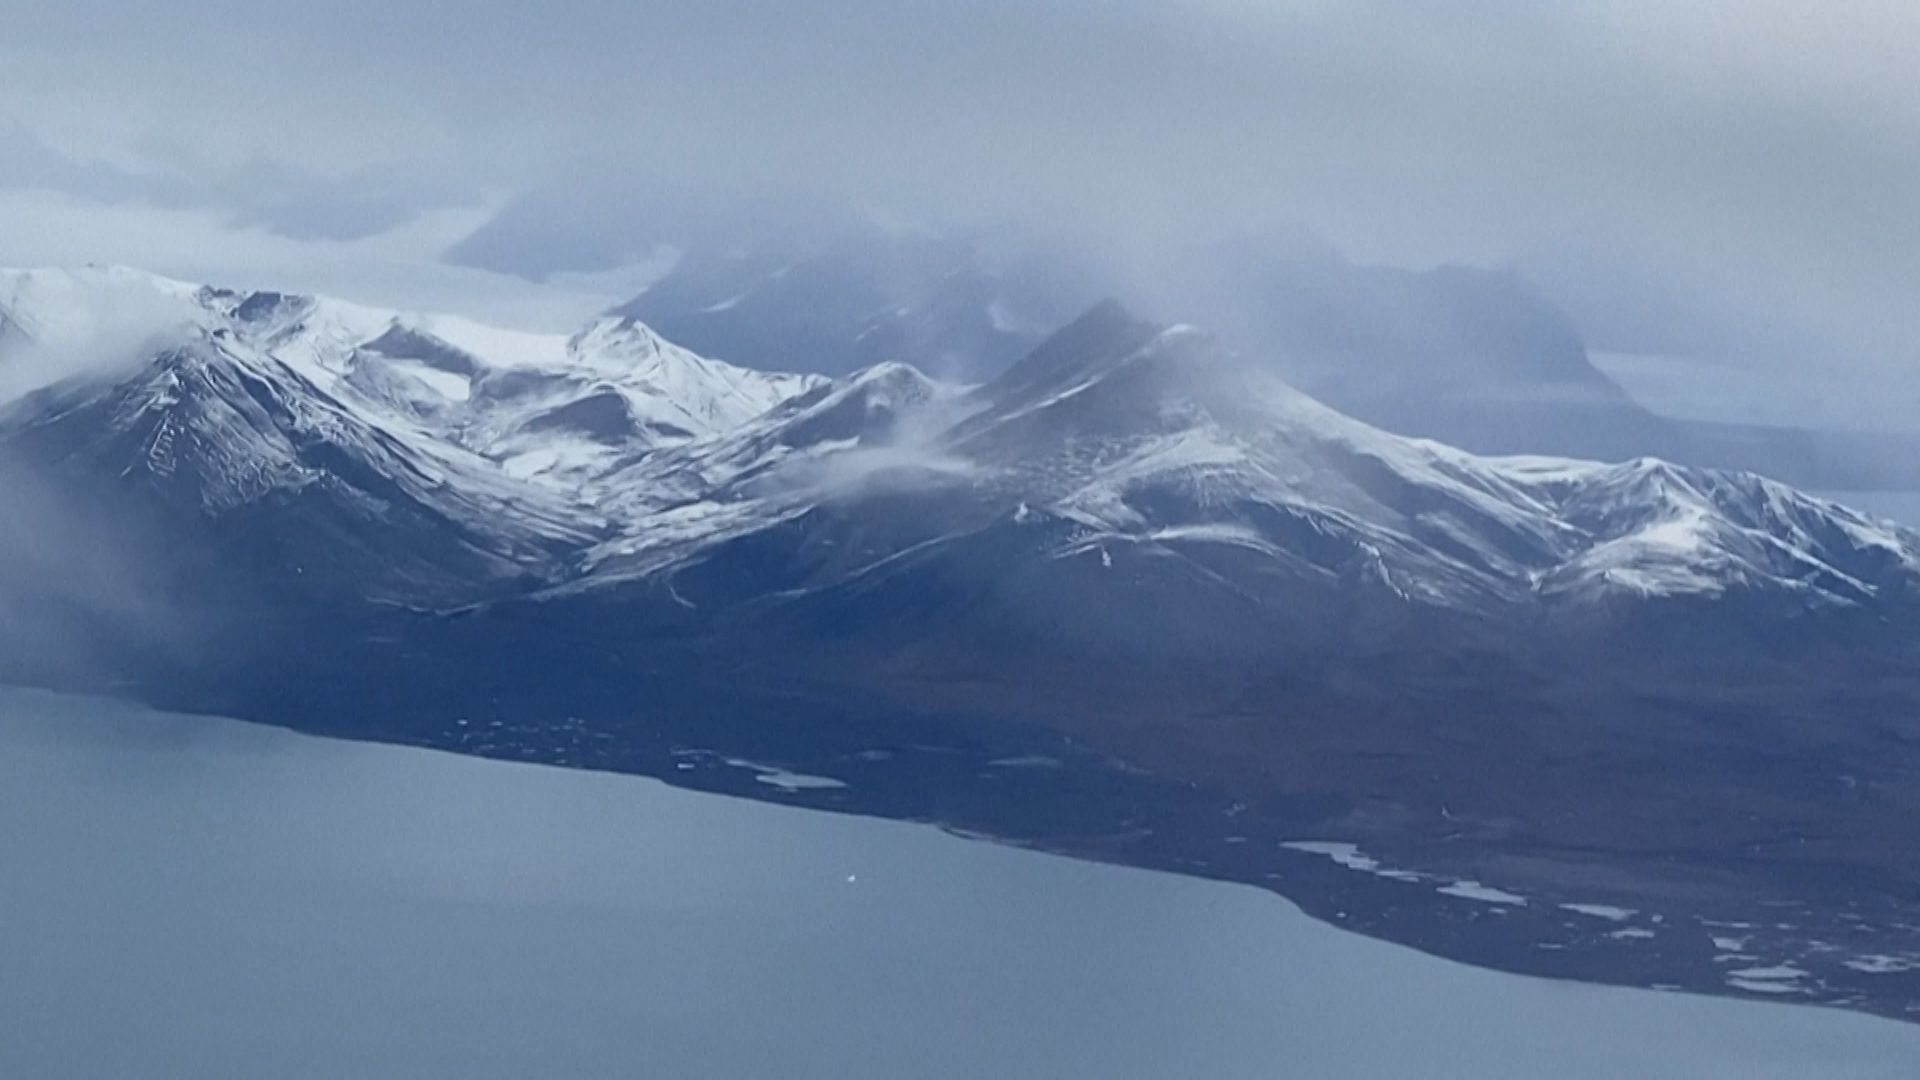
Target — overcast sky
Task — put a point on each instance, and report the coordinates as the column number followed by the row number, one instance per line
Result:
column 1731, row 183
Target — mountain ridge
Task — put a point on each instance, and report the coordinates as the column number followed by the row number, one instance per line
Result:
column 1155, row 438
column 1222, row 610
column 1473, row 357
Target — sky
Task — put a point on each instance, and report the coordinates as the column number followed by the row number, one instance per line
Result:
column 1721, row 193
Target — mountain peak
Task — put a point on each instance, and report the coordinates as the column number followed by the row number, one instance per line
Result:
column 617, row 338
column 1109, row 317
column 1105, row 334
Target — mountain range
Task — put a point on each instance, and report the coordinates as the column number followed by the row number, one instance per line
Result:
column 611, row 456
column 1219, row 610
column 1475, row 358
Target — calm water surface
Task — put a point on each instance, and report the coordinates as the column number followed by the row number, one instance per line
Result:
column 190, row 898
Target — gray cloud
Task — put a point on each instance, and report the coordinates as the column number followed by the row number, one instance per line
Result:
column 1719, row 178
column 255, row 193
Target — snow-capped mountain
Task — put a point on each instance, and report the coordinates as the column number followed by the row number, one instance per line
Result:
column 1219, row 614
column 454, row 378
column 1156, row 454
column 952, row 305
column 427, row 458
column 1474, row 358
column 610, row 455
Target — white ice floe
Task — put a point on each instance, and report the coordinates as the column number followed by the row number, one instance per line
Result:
column 786, row 780
column 1777, row 979
column 1601, row 911
column 1876, row 964
column 1486, row 894
column 1349, row 856
column 1026, row 761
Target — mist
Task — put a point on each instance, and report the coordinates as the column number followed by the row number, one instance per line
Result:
column 78, row 587
column 99, row 330
column 1721, row 183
